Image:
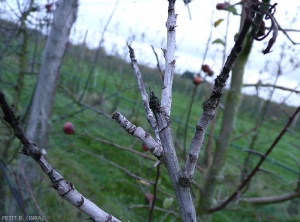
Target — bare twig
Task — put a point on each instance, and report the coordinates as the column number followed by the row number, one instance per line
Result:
column 200, row 169
column 143, row 92
column 263, row 157
column 210, row 106
column 181, row 188
column 158, row 65
column 169, row 53
column 273, row 86
column 32, row 196
column 295, row 145
column 298, row 163
column 270, row 200
column 139, row 133
column 255, row 152
column 22, row 204
column 285, row 111
column 240, row 167
column 155, row 208
column 92, row 106
column 188, row 119
column 98, row 51
column 195, row 88
column 259, row 123
column 286, row 34
column 117, row 166
column 154, row 193
column 118, row 146
column 64, row 188
column 271, row 173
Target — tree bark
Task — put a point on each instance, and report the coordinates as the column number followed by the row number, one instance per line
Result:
column 64, row 17
column 41, row 109
column 215, row 172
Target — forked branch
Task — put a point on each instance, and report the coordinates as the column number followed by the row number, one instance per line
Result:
column 210, row 106
column 143, row 92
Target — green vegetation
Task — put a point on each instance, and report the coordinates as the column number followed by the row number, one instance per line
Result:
column 112, row 86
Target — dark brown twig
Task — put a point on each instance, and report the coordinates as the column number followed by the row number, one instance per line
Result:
column 263, row 158
column 31, row 194
column 117, row 166
column 118, row 146
column 271, row 173
column 154, row 193
column 255, row 152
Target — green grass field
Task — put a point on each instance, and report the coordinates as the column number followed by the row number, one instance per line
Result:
column 111, row 188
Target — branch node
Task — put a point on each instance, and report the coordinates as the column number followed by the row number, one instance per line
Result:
column 154, row 103
column 81, row 202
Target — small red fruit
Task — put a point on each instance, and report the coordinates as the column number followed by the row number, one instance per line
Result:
column 145, row 148
column 149, row 198
column 220, row 6
column 68, row 128
column 205, row 68
column 210, row 73
column 197, row 80
column 48, row 7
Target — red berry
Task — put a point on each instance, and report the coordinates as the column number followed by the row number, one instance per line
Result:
column 145, row 148
column 149, row 198
column 205, row 68
column 68, row 128
column 210, row 73
column 48, row 7
column 197, row 80
column 220, row 6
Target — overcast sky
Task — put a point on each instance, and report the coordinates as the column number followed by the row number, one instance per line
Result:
column 142, row 23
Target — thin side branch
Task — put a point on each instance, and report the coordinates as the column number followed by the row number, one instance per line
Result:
column 119, row 147
column 64, row 188
column 286, row 34
column 154, row 192
column 138, row 132
column 181, row 187
column 158, row 65
column 210, row 106
column 270, row 200
column 32, row 195
column 118, row 166
column 273, row 86
column 263, row 158
column 255, row 152
column 169, row 53
column 143, row 92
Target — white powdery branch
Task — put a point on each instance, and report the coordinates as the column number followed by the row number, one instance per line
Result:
column 68, row 192
column 181, row 185
column 138, row 132
column 143, row 92
column 197, row 141
column 169, row 54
